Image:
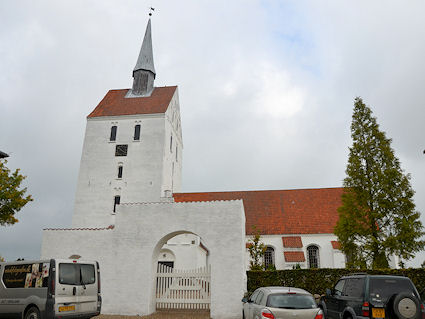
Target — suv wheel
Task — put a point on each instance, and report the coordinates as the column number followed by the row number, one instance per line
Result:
column 406, row 306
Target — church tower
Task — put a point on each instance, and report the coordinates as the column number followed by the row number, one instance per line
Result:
column 132, row 150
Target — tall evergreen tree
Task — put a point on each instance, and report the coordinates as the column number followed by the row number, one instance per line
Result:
column 377, row 217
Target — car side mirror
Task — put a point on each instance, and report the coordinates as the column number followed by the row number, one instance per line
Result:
column 328, row 292
column 245, row 299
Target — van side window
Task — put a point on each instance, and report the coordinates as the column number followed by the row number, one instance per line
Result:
column 26, row 275
column 87, row 274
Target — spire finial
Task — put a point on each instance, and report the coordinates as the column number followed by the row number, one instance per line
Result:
column 151, row 10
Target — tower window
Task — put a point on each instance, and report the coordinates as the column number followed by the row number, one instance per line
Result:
column 137, row 132
column 117, row 200
column 269, row 257
column 120, row 171
column 313, row 256
column 121, row 150
column 171, row 143
column 113, row 136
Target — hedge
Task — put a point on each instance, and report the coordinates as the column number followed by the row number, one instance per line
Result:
column 317, row 280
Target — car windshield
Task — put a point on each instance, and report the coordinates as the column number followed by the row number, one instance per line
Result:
column 381, row 289
column 291, row 301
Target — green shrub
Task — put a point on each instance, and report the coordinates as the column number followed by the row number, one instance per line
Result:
column 317, row 280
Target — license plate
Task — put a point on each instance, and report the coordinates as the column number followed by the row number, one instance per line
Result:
column 66, row 308
column 378, row 312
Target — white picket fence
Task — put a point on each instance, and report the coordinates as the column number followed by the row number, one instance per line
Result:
column 183, row 289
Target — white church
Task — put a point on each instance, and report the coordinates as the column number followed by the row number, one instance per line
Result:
column 161, row 248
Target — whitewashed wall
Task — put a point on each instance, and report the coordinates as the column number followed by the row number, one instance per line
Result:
column 147, row 168
column 187, row 252
column 128, row 254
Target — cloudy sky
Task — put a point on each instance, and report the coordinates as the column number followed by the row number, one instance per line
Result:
column 266, row 91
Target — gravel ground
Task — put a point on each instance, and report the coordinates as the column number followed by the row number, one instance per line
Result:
column 163, row 315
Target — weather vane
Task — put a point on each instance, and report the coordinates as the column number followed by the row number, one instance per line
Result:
column 151, row 9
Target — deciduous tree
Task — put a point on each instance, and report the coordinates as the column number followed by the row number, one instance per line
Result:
column 256, row 250
column 377, row 217
column 12, row 196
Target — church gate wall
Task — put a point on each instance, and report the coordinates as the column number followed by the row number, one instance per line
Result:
column 128, row 253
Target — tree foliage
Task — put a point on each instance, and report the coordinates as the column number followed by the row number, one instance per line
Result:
column 256, row 250
column 12, row 197
column 377, row 217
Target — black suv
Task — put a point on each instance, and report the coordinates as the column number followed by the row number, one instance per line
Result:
column 372, row 296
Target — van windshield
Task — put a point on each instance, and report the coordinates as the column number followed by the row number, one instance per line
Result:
column 76, row 274
column 68, row 274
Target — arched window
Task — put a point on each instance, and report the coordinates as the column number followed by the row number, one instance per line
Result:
column 117, row 200
column 113, row 136
column 269, row 257
column 313, row 256
column 137, row 132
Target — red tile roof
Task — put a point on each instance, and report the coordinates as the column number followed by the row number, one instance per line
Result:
column 336, row 244
column 299, row 211
column 115, row 103
column 292, row 242
column 294, row 256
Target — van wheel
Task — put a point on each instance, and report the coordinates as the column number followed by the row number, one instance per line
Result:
column 32, row 313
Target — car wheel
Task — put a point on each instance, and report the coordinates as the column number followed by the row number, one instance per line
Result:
column 32, row 313
column 406, row 306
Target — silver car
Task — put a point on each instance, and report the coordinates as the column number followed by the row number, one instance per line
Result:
column 280, row 303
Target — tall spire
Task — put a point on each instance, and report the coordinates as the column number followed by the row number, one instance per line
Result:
column 144, row 71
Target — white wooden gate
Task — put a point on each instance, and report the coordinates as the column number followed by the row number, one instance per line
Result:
column 183, row 289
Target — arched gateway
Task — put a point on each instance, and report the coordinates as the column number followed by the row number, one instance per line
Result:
column 128, row 252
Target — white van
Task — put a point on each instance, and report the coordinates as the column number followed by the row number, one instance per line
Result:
column 45, row 289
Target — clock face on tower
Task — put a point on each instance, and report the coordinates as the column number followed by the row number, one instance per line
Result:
column 121, row 150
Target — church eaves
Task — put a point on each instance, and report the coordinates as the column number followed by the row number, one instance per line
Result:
column 115, row 103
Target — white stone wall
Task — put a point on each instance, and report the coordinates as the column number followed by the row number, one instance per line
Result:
column 328, row 257
column 128, row 254
column 187, row 252
column 147, row 168
column 172, row 168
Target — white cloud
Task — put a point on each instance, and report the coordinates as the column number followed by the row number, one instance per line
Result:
column 266, row 89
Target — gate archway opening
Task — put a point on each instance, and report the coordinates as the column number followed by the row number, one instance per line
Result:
column 183, row 272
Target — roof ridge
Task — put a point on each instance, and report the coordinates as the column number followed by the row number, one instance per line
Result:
column 264, row 190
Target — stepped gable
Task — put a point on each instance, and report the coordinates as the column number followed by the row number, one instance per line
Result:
column 115, row 103
column 274, row 212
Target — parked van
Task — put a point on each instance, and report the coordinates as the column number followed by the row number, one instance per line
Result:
column 47, row 289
